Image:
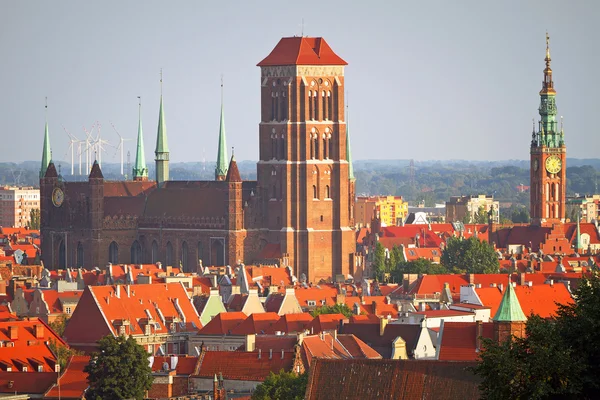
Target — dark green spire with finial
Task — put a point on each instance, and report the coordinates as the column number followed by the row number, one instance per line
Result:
column 221, row 168
column 162, row 150
column 140, row 170
column 46, row 152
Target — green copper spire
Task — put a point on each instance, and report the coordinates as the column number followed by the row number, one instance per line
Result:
column 46, row 152
column 548, row 135
column 140, row 170
column 510, row 309
column 578, row 244
column 221, row 169
column 162, row 149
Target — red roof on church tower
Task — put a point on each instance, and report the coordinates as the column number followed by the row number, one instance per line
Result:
column 300, row 50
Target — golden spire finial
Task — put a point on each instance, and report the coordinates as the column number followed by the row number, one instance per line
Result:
column 547, row 48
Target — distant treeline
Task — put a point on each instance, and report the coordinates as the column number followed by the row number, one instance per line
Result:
column 429, row 181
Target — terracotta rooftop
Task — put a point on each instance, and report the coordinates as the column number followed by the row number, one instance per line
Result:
column 300, row 50
column 243, row 365
column 73, row 381
column 391, row 379
column 223, row 323
column 459, row 340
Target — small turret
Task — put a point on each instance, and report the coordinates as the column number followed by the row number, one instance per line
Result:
column 140, row 170
column 509, row 320
column 221, row 168
column 162, row 149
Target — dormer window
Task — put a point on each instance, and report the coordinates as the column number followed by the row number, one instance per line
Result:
column 311, row 303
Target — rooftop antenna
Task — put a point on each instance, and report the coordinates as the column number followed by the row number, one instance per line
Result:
column 120, row 145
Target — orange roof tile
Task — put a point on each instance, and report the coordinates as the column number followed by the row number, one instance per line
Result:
column 185, row 364
column 325, row 322
column 291, row 323
column 73, row 381
column 223, row 323
column 243, row 365
column 301, row 50
column 256, row 323
column 459, row 340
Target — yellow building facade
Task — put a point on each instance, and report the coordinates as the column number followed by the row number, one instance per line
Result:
column 392, row 210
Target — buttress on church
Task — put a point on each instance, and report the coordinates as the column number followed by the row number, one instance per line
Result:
column 298, row 213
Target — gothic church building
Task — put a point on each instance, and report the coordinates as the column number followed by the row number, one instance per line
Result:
column 298, row 213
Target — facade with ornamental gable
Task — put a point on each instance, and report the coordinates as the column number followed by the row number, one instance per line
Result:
column 298, row 213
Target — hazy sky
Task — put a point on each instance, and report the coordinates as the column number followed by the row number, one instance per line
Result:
column 426, row 80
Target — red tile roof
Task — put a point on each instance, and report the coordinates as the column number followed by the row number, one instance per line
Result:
column 391, row 379
column 223, row 323
column 26, row 383
column 73, row 381
column 270, row 251
column 185, row 364
column 256, row 323
column 324, row 322
column 302, row 51
column 318, row 294
column 128, row 188
column 459, row 340
column 291, row 323
column 242, row 365
column 370, row 334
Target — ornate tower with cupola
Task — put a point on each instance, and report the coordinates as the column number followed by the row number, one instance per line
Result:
column 303, row 172
column 548, row 157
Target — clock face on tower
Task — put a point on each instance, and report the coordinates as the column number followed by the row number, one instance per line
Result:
column 58, row 196
column 553, row 164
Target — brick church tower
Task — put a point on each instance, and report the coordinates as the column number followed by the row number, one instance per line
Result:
column 303, row 173
column 548, row 158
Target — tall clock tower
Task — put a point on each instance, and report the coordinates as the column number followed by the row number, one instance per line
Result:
column 548, row 158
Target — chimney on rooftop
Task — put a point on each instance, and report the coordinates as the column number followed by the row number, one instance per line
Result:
column 374, row 307
column 522, row 279
column 13, row 332
column 382, row 324
column 38, row 331
column 471, row 278
column 117, row 291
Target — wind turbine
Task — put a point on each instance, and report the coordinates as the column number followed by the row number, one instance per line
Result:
column 88, row 144
column 72, row 141
column 120, row 146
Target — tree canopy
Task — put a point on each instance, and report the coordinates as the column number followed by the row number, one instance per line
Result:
column 469, row 255
column 335, row 309
column 282, row 386
column 558, row 357
column 119, row 370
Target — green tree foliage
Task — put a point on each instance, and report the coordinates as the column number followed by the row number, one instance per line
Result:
column 34, row 216
column 379, row 261
column 63, row 353
column 281, row 386
column 558, row 358
column 469, row 255
column 335, row 309
column 119, row 370
column 59, row 324
column 481, row 216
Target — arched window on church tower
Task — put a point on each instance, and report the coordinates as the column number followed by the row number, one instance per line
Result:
column 200, row 251
column 136, row 253
column 325, row 147
column 330, row 144
column 273, row 145
column 113, row 253
column 330, row 105
column 79, row 261
column 312, row 146
column 316, row 145
column 315, row 194
column 282, row 155
column 277, row 107
column 184, row 257
column 327, row 193
column 169, row 255
column 315, row 105
column 273, row 105
column 154, row 255
column 324, row 100
column 284, row 107
column 310, row 105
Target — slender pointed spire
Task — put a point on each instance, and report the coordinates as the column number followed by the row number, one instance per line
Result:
column 162, row 149
column 578, row 244
column 510, row 309
column 348, row 150
column 140, row 169
column 221, row 168
column 46, row 152
column 547, row 84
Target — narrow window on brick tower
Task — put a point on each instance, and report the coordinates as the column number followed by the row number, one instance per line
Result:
column 317, row 153
column 273, row 145
column 277, row 107
column 330, row 106
column 282, row 148
column 274, row 192
column 327, row 194
column 312, row 146
column 315, row 194
column 273, row 105
column 169, row 258
column 315, row 105
column 310, row 105
column 284, row 107
column 330, row 143
column 325, row 147
column 324, row 100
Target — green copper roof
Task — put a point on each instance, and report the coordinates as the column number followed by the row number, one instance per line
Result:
column 140, row 169
column 578, row 244
column 46, row 153
column 221, row 169
column 349, row 154
column 161, row 137
column 510, row 309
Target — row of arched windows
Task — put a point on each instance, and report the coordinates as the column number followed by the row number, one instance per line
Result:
column 321, row 147
column 279, row 107
column 316, row 192
column 322, row 108
column 136, row 254
column 278, row 146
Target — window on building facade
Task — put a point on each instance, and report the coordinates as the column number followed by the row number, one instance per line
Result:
column 169, row 255
column 315, row 194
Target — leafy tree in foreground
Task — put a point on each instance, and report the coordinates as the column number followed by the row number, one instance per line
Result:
column 469, row 255
column 63, row 353
column 282, row 386
column 557, row 359
column 419, row 266
column 379, row 261
column 335, row 309
column 119, row 370
column 59, row 324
